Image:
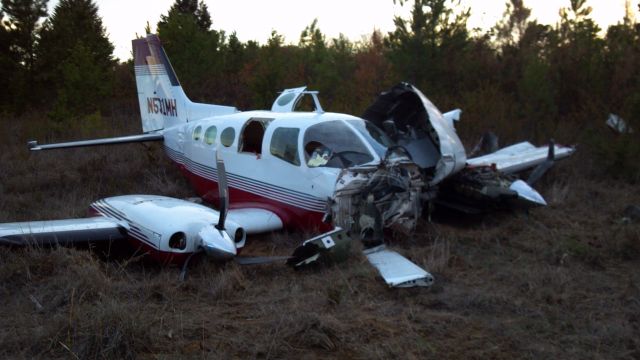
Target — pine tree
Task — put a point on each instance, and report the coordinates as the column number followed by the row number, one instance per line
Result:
column 75, row 59
column 18, row 39
column 23, row 17
column 193, row 47
column 426, row 50
column 578, row 58
column 513, row 25
column 7, row 66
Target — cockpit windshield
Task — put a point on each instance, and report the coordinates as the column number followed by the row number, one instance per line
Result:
column 378, row 140
column 334, row 144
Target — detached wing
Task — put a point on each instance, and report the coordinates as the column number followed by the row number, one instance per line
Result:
column 520, row 157
column 61, row 232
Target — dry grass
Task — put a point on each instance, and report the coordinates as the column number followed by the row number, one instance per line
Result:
column 560, row 282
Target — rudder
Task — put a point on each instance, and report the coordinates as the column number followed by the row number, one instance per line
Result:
column 162, row 100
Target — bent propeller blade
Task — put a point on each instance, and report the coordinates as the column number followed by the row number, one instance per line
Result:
column 223, row 189
column 541, row 169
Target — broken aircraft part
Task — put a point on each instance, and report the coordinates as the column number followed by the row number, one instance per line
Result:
column 334, row 245
column 617, row 124
column 414, row 123
column 452, row 117
column 396, row 270
column 394, row 188
column 519, row 157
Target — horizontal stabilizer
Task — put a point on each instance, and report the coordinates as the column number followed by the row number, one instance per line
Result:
column 34, row 146
column 61, row 232
column 397, row 270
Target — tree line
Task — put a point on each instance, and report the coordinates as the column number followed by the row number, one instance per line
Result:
column 520, row 76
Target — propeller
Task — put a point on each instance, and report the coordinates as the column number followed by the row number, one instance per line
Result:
column 541, row 169
column 216, row 241
column 223, row 189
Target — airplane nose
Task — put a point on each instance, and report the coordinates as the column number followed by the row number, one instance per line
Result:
column 217, row 244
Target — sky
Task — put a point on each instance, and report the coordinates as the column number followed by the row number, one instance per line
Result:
column 255, row 19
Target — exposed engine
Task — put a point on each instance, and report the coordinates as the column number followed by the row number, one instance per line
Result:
column 368, row 199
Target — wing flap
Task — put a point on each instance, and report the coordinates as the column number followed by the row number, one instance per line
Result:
column 61, row 232
column 396, row 270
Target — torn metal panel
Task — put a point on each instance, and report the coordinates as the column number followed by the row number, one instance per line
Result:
column 410, row 119
column 477, row 189
column 452, row 117
column 397, row 270
column 519, row 157
column 334, row 245
column 394, row 188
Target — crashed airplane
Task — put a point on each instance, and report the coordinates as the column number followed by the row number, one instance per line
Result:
column 346, row 176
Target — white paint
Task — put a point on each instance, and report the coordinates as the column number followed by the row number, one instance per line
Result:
column 396, row 270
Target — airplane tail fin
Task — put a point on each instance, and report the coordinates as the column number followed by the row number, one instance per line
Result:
column 163, row 102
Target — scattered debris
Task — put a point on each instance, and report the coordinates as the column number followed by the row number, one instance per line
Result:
column 396, row 270
column 617, row 124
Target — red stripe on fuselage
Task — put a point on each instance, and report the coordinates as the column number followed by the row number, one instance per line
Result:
column 293, row 218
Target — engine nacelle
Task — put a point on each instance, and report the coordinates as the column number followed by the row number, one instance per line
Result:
column 171, row 225
column 237, row 233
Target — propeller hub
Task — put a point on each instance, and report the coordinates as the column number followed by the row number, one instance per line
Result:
column 216, row 243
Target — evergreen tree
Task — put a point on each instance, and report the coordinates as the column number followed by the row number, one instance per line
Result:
column 18, row 38
column 193, row 48
column 75, row 59
column 267, row 71
column 513, row 25
column 578, row 61
column 23, row 17
column 7, row 66
column 426, row 49
column 372, row 73
column 188, row 8
column 622, row 57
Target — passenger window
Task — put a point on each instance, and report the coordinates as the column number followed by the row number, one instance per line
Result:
column 227, row 136
column 334, row 144
column 210, row 135
column 284, row 145
column 197, row 133
column 252, row 135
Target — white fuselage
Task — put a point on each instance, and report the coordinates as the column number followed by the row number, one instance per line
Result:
column 261, row 177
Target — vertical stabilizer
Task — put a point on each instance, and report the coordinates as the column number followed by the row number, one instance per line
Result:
column 162, row 101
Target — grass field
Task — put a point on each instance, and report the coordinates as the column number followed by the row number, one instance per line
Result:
column 560, row 282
